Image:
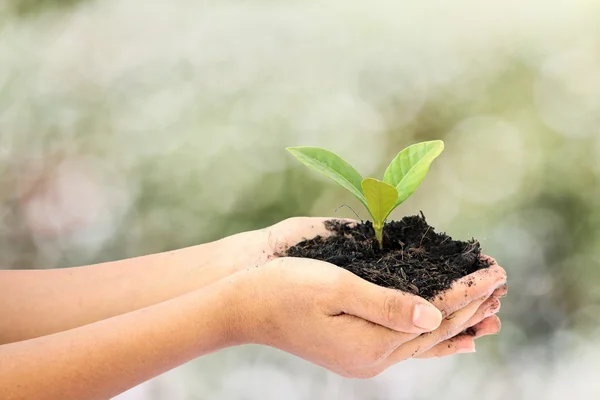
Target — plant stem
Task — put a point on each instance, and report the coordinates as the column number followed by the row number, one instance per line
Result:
column 379, row 233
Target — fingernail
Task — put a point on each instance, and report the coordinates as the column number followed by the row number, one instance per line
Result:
column 494, row 308
column 465, row 350
column 426, row 317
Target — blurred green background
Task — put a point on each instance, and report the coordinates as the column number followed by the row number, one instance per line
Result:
column 129, row 127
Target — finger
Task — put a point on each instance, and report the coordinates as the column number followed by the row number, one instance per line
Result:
column 393, row 309
column 502, row 291
column 465, row 342
column 474, row 286
column 489, row 326
column 457, row 345
column 449, row 328
column 489, row 259
column 487, row 309
column 294, row 230
column 490, row 307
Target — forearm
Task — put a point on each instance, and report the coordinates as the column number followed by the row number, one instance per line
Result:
column 100, row 360
column 37, row 303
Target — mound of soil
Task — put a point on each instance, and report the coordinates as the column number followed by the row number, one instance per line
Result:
column 414, row 258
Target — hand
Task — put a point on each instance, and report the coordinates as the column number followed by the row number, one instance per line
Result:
column 465, row 342
column 237, row 252
column 257, row 247
column 337, row 320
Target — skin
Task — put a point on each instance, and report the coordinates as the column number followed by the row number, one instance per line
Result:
column 95, row 331
column 92, row 293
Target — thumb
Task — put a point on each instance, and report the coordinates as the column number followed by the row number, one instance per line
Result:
column 391, row 308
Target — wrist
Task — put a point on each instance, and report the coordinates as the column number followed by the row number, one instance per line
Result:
column 208, row 263
column 248, row 306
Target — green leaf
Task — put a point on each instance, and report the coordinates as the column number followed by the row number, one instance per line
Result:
column 332, row 166
column 411, row 165
column 381, row 199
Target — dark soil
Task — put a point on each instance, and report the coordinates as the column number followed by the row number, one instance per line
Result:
column 414, row 258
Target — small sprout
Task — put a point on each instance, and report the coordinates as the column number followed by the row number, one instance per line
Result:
column 400, row 180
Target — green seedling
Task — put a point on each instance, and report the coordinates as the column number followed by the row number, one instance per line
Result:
column 400, row 180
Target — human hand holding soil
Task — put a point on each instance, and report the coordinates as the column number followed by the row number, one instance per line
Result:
column 118, row 287
column 126, row 321
column 257, row 247
column 354, row 328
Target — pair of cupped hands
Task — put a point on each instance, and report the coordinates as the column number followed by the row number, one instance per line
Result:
column 335, row 319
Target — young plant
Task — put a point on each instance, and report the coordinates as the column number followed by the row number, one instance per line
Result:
column 402, row 177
